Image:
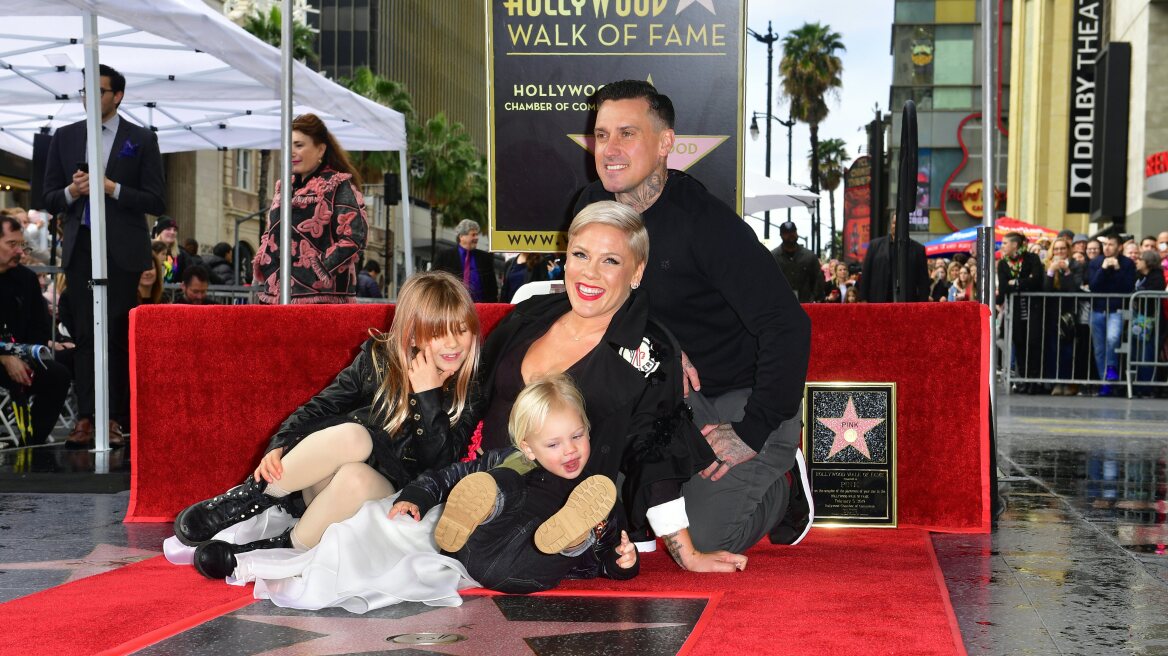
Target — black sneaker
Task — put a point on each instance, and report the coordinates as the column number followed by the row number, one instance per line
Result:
column 793, row 527
column 201, row 521
column 216, row 559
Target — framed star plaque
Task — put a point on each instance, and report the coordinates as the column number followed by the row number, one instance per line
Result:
column 849, row 442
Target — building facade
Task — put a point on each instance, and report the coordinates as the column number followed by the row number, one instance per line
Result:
column 1083, row 140
column 937, row 63
column 437, row 49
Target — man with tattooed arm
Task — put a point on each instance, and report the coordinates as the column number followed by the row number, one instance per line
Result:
column 720, row 292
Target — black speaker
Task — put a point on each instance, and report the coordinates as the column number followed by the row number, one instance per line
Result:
column 40, row 159
column 392, row 192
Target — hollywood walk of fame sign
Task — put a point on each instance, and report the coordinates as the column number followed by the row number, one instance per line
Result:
column 546, row 60
column 849, row 441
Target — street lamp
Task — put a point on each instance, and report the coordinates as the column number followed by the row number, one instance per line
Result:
column 769, row 39
column 754, row 137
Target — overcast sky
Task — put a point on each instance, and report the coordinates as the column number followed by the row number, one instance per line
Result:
column 866, row 30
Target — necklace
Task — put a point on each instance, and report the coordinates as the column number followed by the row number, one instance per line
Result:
column 582, row 335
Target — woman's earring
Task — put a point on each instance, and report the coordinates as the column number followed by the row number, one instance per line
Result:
column 636, row 285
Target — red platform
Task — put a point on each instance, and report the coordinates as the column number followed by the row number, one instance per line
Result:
column 211, row 384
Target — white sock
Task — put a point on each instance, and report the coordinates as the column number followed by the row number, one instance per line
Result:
column 275, row 491
column 296, row 543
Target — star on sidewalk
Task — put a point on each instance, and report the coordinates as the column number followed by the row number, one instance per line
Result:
column 682, row 4
column 103, row 558
column 486, row 627
column 850, row 430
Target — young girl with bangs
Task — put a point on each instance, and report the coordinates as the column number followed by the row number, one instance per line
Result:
column 404, row 406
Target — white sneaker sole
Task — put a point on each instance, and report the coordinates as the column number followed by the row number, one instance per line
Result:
column 801, row 463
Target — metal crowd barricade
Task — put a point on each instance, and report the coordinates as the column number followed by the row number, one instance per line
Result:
column 218, row 294
column 1053, row 341
column 1144, row 340
column 237, row 294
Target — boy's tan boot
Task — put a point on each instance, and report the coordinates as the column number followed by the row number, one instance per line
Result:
column 587, row 506
column 469, row 504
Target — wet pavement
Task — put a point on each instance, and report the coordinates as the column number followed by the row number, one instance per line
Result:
column 1077, row 564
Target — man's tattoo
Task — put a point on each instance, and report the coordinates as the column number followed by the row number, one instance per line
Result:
column 728, row 447
column 673, row 546
column 646, row 193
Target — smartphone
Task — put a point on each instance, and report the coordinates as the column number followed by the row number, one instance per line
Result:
column 83, row 167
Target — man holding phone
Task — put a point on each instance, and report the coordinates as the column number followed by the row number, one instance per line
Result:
column 1110, row 273
column 133, row 187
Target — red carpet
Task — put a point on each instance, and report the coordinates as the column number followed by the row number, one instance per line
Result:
column 840, row 592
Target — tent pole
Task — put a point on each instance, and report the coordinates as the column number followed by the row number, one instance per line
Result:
column 407, row 229
column 93, row 155
column 986, row 258
column 286, row 153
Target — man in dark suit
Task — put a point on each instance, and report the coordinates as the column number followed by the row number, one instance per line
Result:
column 133, row 187
column 875, row 284
column 476, row 268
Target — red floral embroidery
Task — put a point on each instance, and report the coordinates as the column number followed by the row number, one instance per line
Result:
column 307, row 255
column 319, row 222
column 317, row 186
column 345, row 223
column 476, row 443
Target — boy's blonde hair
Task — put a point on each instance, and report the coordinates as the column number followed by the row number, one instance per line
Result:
column 538, row 399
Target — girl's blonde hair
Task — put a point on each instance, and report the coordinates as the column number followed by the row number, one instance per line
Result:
column 430, row 305
column 538, row 399
column 1050, row 255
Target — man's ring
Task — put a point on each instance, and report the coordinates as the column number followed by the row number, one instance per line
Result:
column 719, row 460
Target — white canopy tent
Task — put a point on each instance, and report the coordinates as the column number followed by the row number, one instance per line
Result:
column 763, row 193
column 199, row 79
column 195, row 77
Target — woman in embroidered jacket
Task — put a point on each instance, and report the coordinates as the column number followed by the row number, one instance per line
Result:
column 328, row 222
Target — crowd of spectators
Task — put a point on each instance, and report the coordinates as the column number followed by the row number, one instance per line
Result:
column 1079, row 338
column 1059, row 332
column 1073, row 338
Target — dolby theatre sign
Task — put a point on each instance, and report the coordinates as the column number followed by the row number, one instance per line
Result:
column 1086, row 41
column 547, row 59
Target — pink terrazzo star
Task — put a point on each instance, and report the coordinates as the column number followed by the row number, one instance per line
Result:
column 488, row 631
column 103, row 558
column 850, row 430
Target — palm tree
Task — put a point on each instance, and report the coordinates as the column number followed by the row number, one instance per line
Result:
column 269, row 29
column 810, row 69
column 470, row 201
column 386, row 92
column 453, row 180
column 833, row 156
column 448, row 158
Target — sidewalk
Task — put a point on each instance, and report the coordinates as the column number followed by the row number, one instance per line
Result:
column 1077, row 564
